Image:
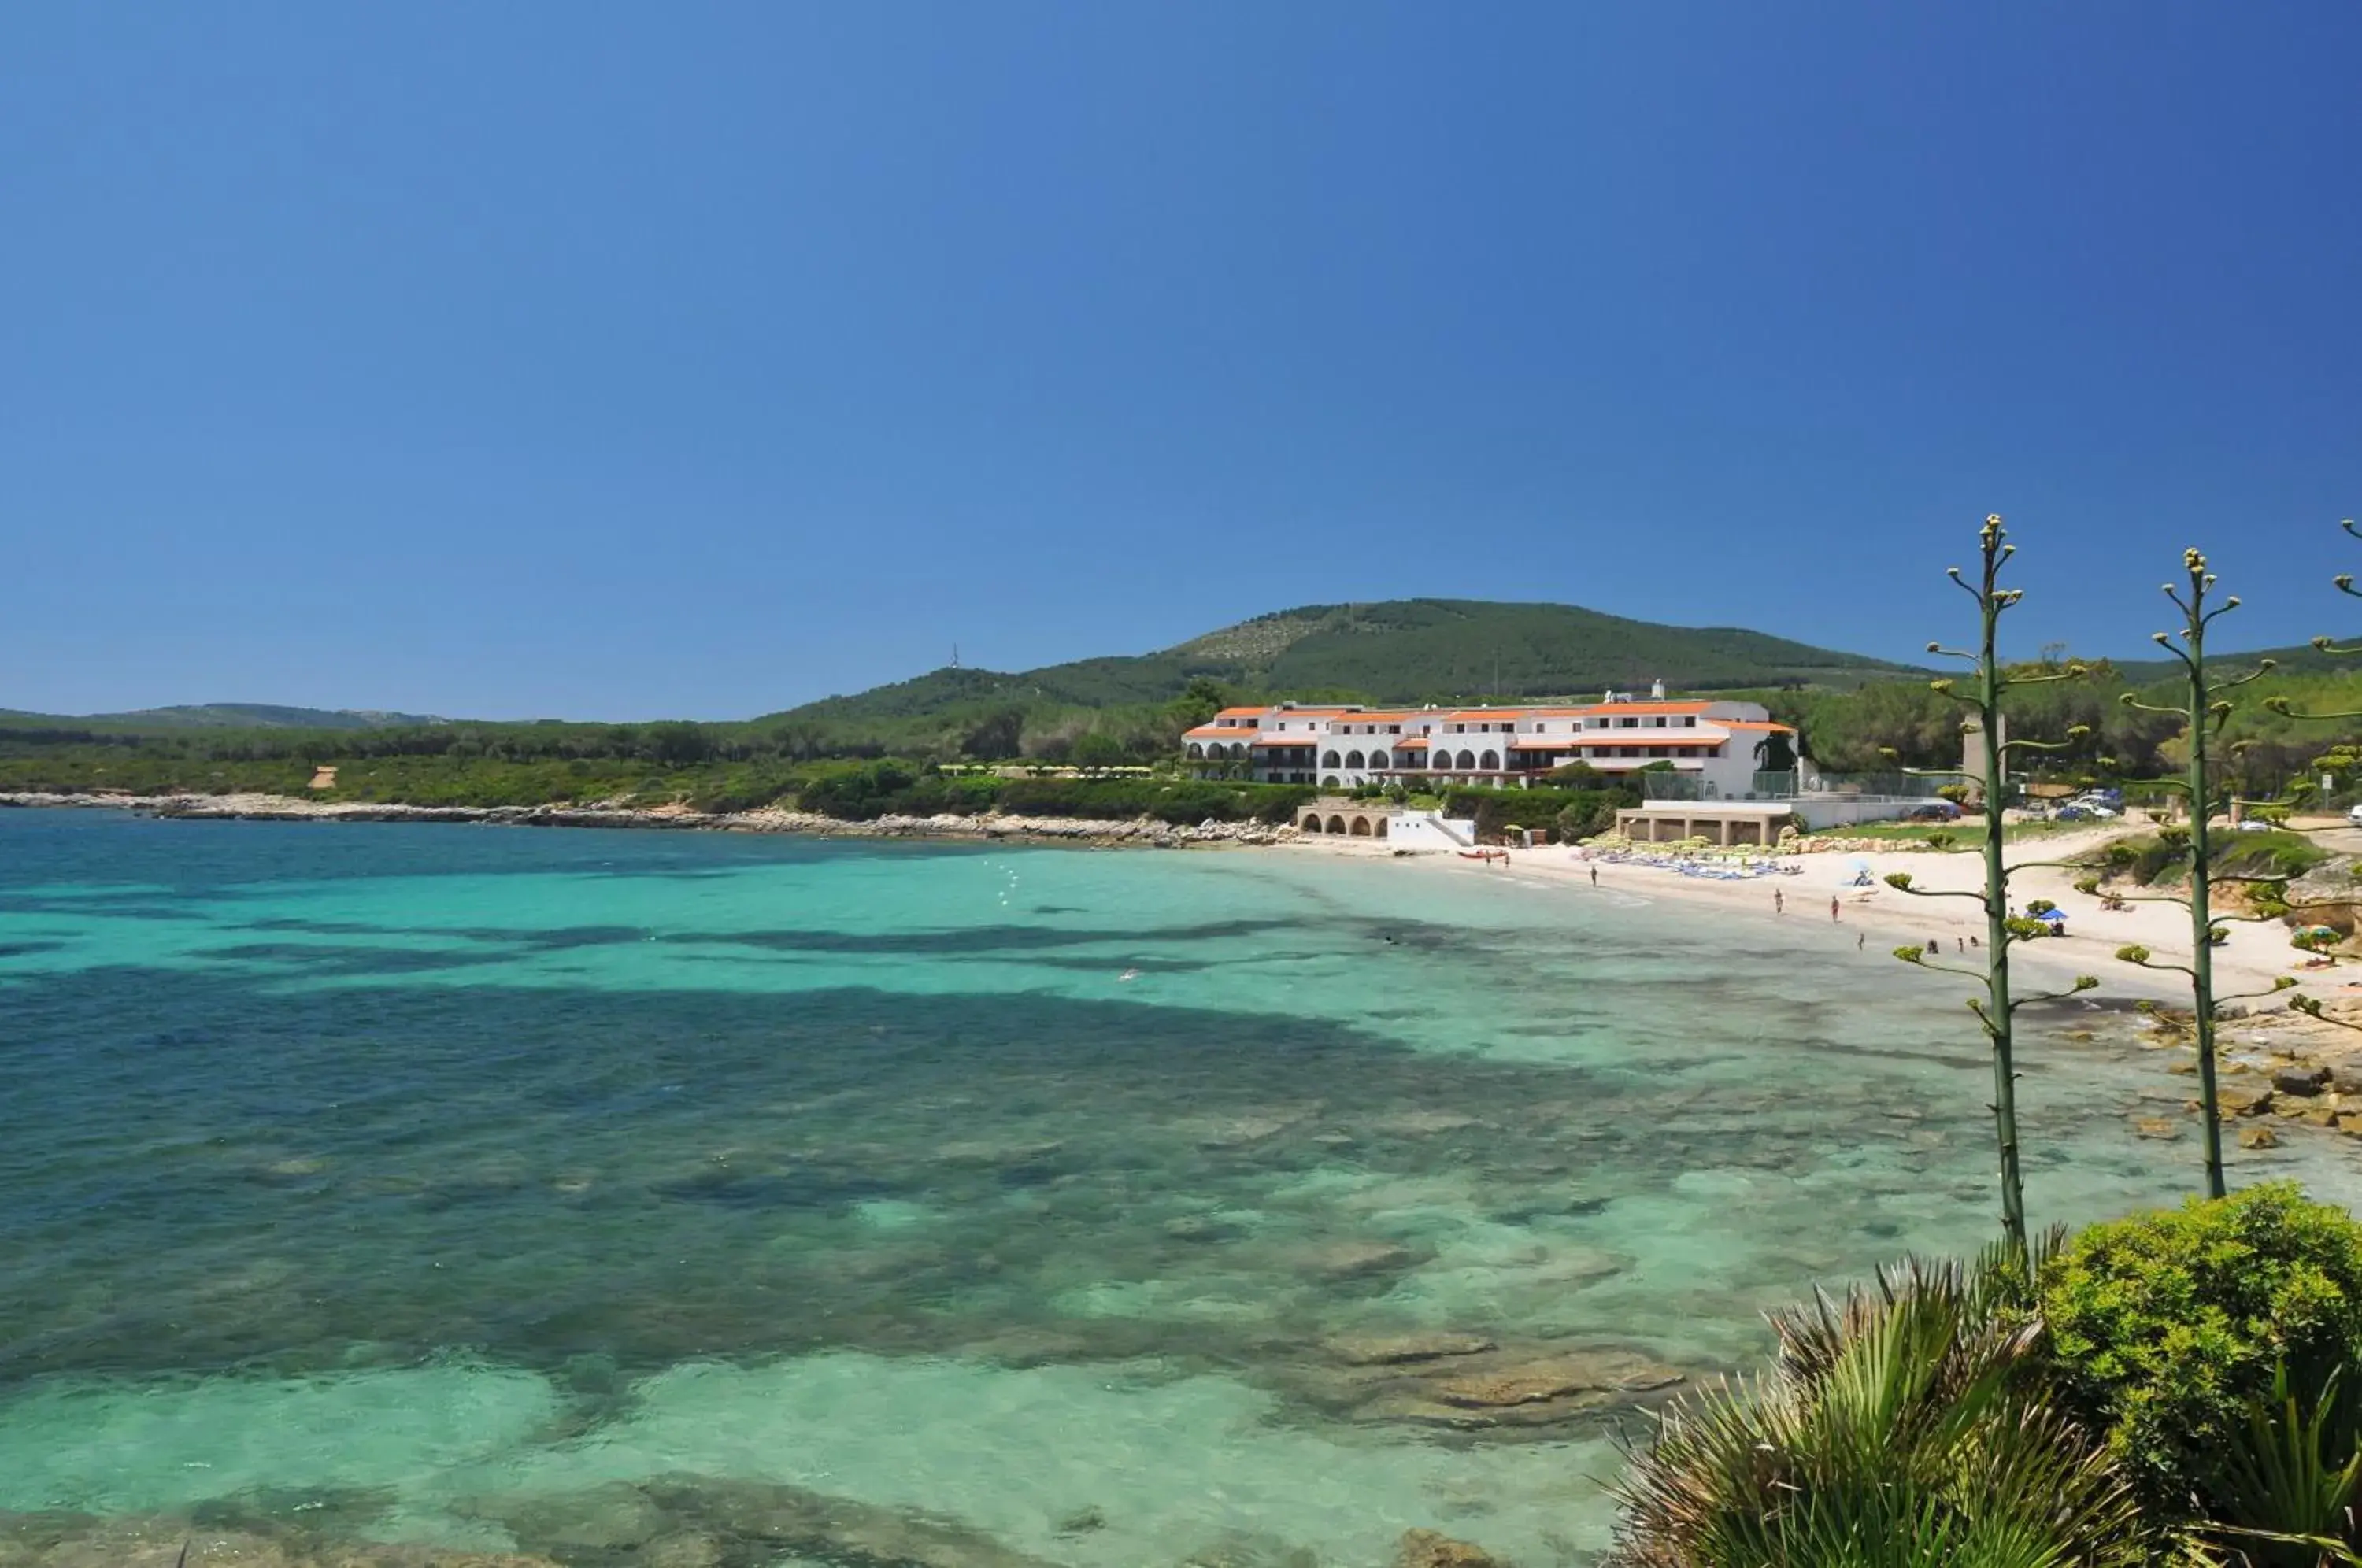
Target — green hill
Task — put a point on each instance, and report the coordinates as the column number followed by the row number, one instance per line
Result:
column 1412, row 650
column 2302, row 659
column 216, row 716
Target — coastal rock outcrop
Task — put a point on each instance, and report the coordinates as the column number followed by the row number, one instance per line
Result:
column 1433, row 1549
column 1474, row 1385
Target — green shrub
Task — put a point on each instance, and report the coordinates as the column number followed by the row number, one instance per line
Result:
column 1576, row 814
column 2275, row 854
column 1182, row 803
column 857, row 791
column 2168, row 1328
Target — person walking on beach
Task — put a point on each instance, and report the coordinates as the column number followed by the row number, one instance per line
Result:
column 1860, row 940
column 1779, row 901
column 1833, row 908
column 1594, row 876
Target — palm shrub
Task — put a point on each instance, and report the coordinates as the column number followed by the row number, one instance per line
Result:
column 2288, row 1483
column 1907, row 1426
column 2171, row 1331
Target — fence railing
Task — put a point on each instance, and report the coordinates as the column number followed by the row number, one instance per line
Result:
column 1805, row 784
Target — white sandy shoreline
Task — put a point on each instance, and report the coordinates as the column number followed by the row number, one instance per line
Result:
column 1887, row 918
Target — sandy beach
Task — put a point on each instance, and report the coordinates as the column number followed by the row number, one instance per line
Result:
column 1873, row 921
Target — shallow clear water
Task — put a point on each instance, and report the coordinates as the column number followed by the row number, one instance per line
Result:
column 423, row 1179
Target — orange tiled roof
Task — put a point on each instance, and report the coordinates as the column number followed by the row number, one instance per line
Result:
column 1755, row 724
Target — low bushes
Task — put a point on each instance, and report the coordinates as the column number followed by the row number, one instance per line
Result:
column 1180, row 804
column 2179, row 1387
column 2168, row 1328
column 2163, row 858
column 864, row 791
column 1572, row 814
column 1908, row 1426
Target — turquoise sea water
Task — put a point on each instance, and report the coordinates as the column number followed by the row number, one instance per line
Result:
column 427, row 1183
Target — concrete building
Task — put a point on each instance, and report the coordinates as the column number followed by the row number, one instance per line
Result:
column 1721, row 745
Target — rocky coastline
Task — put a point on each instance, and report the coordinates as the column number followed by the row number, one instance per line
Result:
column 993, row 827
column 663, row 1521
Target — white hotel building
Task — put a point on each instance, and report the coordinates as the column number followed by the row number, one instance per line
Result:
column 1722, row 744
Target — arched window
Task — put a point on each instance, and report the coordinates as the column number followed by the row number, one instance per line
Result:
column 1467, row 762
column 1330, row 782
column 1492, row 763
column 1382, row 828
column 1439, row 760
column 1196, row 750
column 1353, row 760
column 1329, row 759
column 1378, row 759
column 1312, row 822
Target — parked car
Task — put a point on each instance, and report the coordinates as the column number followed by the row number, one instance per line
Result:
column 2255, row 825
column 1933, row 812
column 2354, row 816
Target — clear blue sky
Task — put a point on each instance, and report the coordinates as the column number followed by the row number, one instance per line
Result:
column 622, row 360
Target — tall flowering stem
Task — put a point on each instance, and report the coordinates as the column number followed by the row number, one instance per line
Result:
column 1997, row 1009
column 2206, row 708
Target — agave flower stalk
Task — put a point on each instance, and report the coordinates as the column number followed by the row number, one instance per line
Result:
column 1997, row 1010
column 2206, row 708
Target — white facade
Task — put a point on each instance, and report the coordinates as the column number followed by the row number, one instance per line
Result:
column 1722, row 744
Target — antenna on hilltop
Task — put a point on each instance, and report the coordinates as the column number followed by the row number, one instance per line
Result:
column 954, row 656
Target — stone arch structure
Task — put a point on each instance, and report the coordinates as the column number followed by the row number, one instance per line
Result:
column 1345, row 819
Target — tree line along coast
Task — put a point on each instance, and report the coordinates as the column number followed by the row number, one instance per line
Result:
column 2110, row 724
